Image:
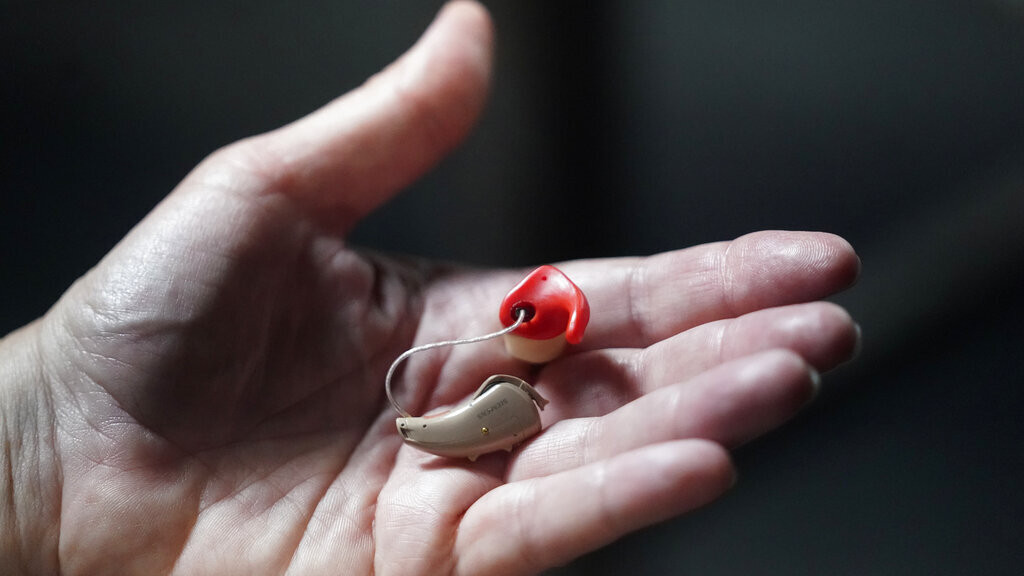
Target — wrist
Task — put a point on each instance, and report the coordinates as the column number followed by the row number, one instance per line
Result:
column 29, row 470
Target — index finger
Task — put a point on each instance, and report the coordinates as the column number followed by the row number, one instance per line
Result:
column 636, row 302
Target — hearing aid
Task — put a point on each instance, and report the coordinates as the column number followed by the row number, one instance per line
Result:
column 557, row 313
column 541, row 315
column 503, row 412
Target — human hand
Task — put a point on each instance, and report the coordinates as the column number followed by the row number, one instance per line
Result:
column 209, row 399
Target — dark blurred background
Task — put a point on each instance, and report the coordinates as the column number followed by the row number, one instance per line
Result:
column 628, row 128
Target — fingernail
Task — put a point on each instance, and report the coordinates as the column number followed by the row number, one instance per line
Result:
column 815, row 381
column 858, row 344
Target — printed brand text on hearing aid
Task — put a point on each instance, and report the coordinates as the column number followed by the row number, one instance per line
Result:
column 541, row 315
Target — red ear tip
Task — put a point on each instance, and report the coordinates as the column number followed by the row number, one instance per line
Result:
column 578, row 321
column 553, row 304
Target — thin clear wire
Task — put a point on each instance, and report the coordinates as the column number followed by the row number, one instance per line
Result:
column 431, row 346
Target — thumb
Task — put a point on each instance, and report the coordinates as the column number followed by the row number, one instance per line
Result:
column 345, row 159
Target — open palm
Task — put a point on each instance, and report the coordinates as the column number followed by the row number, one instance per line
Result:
column 216, row 383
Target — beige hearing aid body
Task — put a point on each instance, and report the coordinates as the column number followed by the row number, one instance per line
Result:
column 503, row 412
